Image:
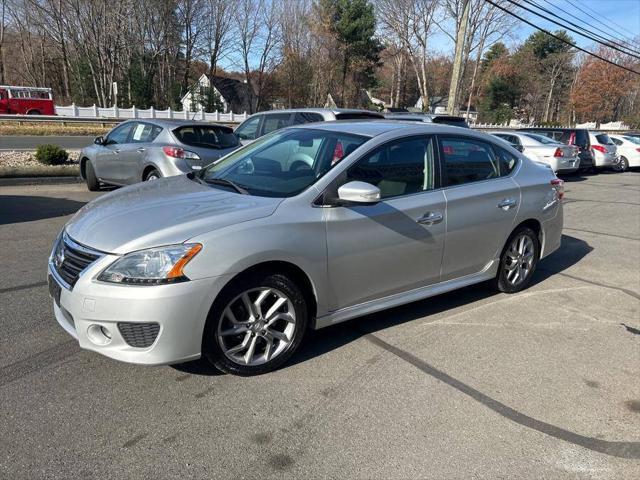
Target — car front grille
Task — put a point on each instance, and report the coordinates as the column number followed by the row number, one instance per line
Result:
column 71, row 258
column 139, row 335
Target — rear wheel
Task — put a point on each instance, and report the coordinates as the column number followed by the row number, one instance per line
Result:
column 255, row 325
column 518, row 261
column 623, row 166
column 152, row 175
column 90, row 177
column 33, row 112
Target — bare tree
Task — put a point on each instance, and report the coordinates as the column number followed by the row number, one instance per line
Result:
column 218, row 28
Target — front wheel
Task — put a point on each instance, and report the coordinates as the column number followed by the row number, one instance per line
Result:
column 255, row 325
column 518, row 261
column 90, row 177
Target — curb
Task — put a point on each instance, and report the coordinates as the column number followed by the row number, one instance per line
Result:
column 15, row 181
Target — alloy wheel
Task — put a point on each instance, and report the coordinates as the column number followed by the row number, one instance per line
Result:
column 519, row 259
column 256, row 326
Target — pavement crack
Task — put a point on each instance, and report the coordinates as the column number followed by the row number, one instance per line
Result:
column 22, row 287
column 615, row 449
column 37, row 361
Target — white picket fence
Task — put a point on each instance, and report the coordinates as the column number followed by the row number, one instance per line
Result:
column 611, row 126
column 94, row 112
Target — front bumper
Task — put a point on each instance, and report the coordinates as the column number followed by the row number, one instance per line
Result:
column 180, row 310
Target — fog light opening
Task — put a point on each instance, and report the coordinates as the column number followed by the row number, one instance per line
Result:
column 98, row 334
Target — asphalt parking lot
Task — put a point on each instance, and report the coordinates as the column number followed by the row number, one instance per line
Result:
column 470, row 384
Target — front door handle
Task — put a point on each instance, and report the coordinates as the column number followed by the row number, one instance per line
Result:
column 140, row 149
column 116, row 150
column 507, row 203
column 430, row 218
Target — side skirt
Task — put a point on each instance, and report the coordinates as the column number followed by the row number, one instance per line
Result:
column 397, row 299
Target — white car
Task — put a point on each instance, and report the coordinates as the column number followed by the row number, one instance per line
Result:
column 629, row 151
column 539, row 148
column 605, row 152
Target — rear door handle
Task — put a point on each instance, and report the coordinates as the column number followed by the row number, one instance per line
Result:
column 117, row 150
column 507, row 203
column 430, row 218
column 140, row 149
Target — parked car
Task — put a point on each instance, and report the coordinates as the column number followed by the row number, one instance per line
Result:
column 262, row 123
column 26, row 100
column 570, row 136
column 428, row 118
column 629, row 151
column 142, row 150
column 605, row 153
column 560, row 157
column 237, row 261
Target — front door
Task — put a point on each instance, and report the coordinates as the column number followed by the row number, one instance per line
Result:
column 482, row 203
column 395, row 245
column 107, row 162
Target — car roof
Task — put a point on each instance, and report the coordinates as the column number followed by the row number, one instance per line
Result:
column 373, row 128
column 171, row 123
column 321, row 111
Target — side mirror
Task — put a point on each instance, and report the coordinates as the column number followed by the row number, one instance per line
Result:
column 99, row 140
column 359, row 192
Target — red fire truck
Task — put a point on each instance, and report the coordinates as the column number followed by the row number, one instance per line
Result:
column 26, row 100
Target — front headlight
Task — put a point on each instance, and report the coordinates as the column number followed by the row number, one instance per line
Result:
column 153, row 266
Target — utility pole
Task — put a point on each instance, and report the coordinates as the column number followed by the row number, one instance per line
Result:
column 456, row 76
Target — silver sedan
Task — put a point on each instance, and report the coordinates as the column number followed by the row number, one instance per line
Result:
column 237, row 262
column 141, row 150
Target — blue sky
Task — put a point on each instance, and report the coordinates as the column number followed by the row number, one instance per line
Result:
column 616, row 18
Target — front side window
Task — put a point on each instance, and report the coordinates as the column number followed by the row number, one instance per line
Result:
column 275, row 122
column 120, row 134
column 398, row 168
column 284, row 163
column 467, row 160
column 206, row 136
column 249, row 129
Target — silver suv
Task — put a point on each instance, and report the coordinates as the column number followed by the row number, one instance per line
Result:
column 304, row 228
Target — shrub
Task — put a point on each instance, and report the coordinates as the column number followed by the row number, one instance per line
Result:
column 51, row 155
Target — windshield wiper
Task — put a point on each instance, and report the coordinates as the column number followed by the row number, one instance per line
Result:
column 227, row 183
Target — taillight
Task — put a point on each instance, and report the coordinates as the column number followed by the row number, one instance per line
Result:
column 559, row 152
column 338, row 153
column 558, row 186
column 637, row 149
column 177, row 152
column 599, row 148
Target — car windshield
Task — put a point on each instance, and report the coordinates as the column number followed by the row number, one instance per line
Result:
column 283, row 163
column 207, row 136
column 542, row 139
column 635, row 140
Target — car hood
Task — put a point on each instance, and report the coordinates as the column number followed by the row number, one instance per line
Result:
column 162, row 212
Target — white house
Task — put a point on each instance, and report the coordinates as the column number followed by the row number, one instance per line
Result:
column 234, row 94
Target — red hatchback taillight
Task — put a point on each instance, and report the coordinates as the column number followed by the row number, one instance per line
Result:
column 558, row 186
column 559, row 152
column 177, row 152
column 599, row 148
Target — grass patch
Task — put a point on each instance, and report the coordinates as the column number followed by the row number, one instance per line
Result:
column 31, row 170
column 49, row 128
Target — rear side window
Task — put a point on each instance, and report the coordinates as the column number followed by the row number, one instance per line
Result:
column 616, row 141
column 206, row 136
column 145, row 132
column 448, row 120
column 307, row 117
column 398, row 168
column 603, row 139
column 275, row 122
column 466, row 160
column 512, row 139
column 507, row 161
column 357, row 115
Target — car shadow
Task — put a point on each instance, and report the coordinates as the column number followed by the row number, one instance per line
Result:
column 23, row 208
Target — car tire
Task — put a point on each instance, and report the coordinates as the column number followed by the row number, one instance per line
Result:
column 224, row 349
column 623, row 166
column 518, row 261
column 152, row 175
column 90, row 177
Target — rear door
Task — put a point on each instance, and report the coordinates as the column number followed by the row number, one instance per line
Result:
column 390, row 247
column 133, row 155
column 482, row 203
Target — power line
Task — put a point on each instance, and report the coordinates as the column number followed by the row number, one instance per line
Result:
column 611, row 22
column 590, row 37
column 613, row 40
column 560, row 38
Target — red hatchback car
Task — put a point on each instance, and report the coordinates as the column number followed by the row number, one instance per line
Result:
column 26, row 100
